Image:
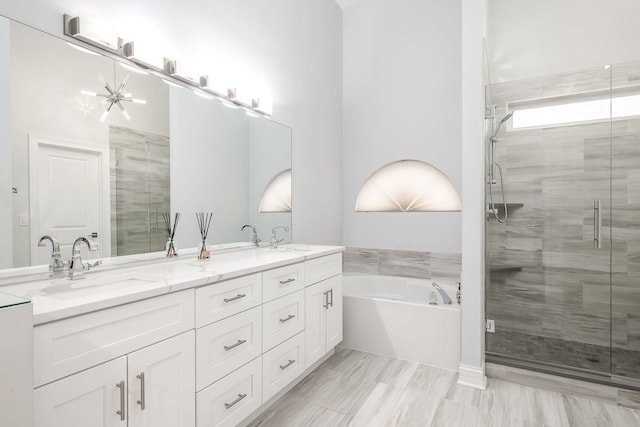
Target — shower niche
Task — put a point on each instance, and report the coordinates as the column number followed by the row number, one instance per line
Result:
column 563, row 271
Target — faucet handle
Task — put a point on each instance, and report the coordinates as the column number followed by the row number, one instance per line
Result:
column 88, row 266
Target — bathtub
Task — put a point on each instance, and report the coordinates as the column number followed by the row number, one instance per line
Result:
column 391, row 316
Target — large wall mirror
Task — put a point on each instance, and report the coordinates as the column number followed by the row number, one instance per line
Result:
column 67, row 169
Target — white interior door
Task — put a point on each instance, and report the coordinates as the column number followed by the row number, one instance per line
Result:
column 67, row 191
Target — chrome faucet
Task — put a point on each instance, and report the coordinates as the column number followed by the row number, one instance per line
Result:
column 254, row 236
column 76, row 267
column 274, row 242
column 56, row 264
column 445, row 297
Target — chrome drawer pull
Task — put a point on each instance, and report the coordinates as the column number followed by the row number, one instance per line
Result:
column 240, row 397
column 286, row 319
column 229, row 347
column 235, row 298
column 284, row 282
column 121, row 412
column 289, row 363
column 330, row 303
column 141, row 402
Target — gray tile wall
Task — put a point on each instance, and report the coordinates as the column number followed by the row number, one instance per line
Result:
column 560, row 302
column 436, row 266
column 140, row 190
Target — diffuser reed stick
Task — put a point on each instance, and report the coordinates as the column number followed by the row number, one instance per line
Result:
column 204, row 222
column 171, row 249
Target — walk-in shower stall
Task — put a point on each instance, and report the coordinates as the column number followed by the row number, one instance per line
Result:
column 563, row 223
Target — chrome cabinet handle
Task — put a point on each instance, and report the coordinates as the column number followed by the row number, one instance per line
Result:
column 121, row 412
column 141, row 402
column 284, row 282
column 597, row 223
column 234, row 298
column 325, row 304
column 286, row 319
column 289, row 363
column 330, row 303
column 240, row 397
column 229, row 347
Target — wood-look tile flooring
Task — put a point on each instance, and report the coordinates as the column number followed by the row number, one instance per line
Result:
column 353, row 388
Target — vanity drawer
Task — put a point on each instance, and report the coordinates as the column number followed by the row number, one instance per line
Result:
column 282, row 281
column 226, row 345
column 318, row 269
column 281, row 365
column 282, row 319
column 232, row 399
column 70, row 345
column 224, row 299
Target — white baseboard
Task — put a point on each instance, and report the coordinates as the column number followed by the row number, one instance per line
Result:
column 472, row 376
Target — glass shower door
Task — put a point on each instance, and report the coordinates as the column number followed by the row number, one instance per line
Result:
column 140, row 191
column 548, row 264
column 625, row 257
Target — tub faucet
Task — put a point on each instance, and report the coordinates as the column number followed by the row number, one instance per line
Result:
column 274, row 242
column 56, row 264
column 76, row 267
column 445, row 297
column 254, row 236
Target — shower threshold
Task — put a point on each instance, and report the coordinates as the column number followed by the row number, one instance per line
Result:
column 562, row 378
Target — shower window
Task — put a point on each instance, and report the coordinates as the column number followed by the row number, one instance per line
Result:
column 583, row 108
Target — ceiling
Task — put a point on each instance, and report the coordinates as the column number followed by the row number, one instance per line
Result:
column 345, row 3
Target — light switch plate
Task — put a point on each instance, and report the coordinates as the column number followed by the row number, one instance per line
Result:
column 23, row 219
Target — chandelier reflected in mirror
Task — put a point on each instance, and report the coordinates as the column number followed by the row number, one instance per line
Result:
column 113, row 97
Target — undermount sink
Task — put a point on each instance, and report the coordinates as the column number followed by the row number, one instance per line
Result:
column 127, row 279
column 131, row 278
column 292, row 248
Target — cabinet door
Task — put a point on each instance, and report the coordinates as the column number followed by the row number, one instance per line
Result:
column 315, row 329
column 89, row 398
column 162, row 384
column 334, row 313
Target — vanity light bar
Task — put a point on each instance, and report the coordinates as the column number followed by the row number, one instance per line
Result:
column 71, row 28
column 168, row 71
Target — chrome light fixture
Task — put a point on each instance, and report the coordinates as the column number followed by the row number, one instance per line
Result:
column 115, row 97
column 71, row 28
column 167, row 70
column 408, row 186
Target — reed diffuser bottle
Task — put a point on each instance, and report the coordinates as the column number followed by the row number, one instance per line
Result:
column 204, row 222
column 170, row 246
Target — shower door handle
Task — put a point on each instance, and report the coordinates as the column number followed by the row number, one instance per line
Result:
column 597, row 224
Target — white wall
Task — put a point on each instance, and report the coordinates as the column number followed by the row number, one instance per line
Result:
column 208, row 174
column 535, row 38
column 6, row 182
column 472, row 370
column 401, row 101
column 292, row 48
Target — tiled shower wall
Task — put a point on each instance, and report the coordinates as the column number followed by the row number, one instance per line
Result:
column 554, row 296
column 436, row 266
column 140, row 190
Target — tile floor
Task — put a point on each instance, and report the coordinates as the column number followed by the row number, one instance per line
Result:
column 353, row 388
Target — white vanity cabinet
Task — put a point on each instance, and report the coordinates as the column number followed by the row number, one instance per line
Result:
column 205, row 356
column 323, row 301
column 131, row 365
column 153, row 386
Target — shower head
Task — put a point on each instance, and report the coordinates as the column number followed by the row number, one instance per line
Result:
column 497, row 129
column 507, row 117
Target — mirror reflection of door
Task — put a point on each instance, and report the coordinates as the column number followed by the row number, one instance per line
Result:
column 66, row 191
column 139, row 176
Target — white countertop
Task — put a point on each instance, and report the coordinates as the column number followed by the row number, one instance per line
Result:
column 56, row 298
